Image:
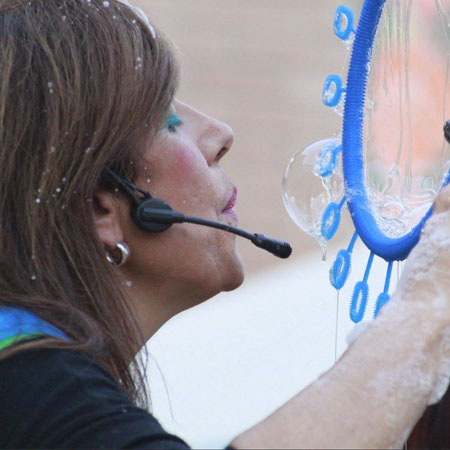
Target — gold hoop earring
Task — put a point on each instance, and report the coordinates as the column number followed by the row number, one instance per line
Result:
column 124, row 255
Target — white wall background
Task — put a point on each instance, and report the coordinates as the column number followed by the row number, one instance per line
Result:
column 233, row 360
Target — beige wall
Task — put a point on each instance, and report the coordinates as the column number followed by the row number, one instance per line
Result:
column 258, row 65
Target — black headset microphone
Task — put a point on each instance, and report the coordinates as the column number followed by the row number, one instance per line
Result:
column 156, row 215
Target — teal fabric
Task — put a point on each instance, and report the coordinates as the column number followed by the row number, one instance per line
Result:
column 19, row 323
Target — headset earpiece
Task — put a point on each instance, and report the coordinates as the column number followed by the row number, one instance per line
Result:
column 149, row 209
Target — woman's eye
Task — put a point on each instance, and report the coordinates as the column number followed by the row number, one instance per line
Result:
column 173, row 122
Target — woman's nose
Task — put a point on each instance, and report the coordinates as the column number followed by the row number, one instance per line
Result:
column 216, row 140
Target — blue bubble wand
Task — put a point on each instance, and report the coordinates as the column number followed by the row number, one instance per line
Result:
column 356, row 197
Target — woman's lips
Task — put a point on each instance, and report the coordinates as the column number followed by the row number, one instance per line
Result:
column 228, row 210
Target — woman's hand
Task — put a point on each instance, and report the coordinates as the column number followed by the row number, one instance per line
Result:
column 428, row 266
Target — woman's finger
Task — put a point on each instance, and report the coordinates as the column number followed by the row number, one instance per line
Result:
column 442, row 201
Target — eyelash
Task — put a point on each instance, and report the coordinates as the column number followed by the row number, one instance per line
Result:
column 173, row 122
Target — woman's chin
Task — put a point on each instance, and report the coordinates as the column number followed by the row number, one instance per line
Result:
column 235, row 275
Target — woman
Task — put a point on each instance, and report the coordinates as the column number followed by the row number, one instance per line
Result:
column 86, row 100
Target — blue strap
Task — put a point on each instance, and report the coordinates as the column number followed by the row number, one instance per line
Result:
column 16, row 321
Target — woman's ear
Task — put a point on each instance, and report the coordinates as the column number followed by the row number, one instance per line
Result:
column 107, row 218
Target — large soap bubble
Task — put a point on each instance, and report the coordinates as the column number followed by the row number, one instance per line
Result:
column 312, row 180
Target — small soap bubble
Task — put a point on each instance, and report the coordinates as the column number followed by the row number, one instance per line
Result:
column 329, row 94
column 370, row 104
column 306, row 194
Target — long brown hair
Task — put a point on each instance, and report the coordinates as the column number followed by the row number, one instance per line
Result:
column 82, row 83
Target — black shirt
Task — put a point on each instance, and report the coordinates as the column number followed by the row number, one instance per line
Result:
column 61, row 399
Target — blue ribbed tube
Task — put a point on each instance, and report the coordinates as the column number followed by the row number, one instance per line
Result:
column 352, row 141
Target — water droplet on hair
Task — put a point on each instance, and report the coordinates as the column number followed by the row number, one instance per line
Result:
column 38, row 200
column 184, row 202
column 33, row 277
column 64, row 18
column 148, row 180
column 58, row 190
column 134, row 21
column 52, row 149
column 129, row 283
column 114, row 17
column 88, row 150
column 152, row 30
column 63, row 179
column 106, row 4
column 116, row 190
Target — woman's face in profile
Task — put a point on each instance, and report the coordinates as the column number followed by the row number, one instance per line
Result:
column 183, row 167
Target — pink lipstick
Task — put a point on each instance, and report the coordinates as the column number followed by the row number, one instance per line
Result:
column 230, row 205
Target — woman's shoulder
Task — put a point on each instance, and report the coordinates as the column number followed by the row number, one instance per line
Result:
column 53, row 398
